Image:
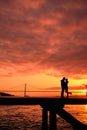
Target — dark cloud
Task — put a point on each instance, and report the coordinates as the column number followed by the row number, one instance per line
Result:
column 44, row 34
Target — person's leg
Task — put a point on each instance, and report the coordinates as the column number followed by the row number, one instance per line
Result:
column 62, row 93
column 67, row 91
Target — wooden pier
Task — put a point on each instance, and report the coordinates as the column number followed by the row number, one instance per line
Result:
column 53, row 105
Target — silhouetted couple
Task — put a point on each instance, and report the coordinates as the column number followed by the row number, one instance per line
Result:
column 64, row 87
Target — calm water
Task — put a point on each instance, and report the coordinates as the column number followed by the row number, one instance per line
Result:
column 29, row 117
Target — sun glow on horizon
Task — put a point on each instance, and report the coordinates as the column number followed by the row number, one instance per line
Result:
column 40, row 82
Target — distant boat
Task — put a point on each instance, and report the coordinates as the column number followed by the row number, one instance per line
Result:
column 5, row 94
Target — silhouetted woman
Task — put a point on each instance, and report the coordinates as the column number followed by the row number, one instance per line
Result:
column 66, row 87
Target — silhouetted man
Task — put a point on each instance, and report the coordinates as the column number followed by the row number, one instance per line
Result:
column 63, row 84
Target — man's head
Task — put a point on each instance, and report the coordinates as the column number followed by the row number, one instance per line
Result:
column 64, row 78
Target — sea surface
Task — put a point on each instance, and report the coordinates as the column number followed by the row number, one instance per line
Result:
column 30, row 117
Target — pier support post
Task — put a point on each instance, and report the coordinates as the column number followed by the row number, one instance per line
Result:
column 44, row 119
column 52, row 123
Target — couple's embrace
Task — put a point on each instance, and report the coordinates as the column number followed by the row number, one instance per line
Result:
column 64, row 87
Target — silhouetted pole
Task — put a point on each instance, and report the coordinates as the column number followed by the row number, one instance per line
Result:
column 44, row 119
column 25, row 91
column 53, row 125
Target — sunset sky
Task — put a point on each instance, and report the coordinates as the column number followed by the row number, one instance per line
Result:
column 40, row 42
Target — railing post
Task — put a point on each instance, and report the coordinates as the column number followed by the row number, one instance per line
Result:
column 44, row 119
column 52, row 123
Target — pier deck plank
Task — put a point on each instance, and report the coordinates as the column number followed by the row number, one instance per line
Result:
column 40, row 100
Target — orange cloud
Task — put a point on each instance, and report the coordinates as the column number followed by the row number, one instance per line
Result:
column 42, row 35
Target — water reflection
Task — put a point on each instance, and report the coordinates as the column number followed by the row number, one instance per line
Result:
column 30, row 117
